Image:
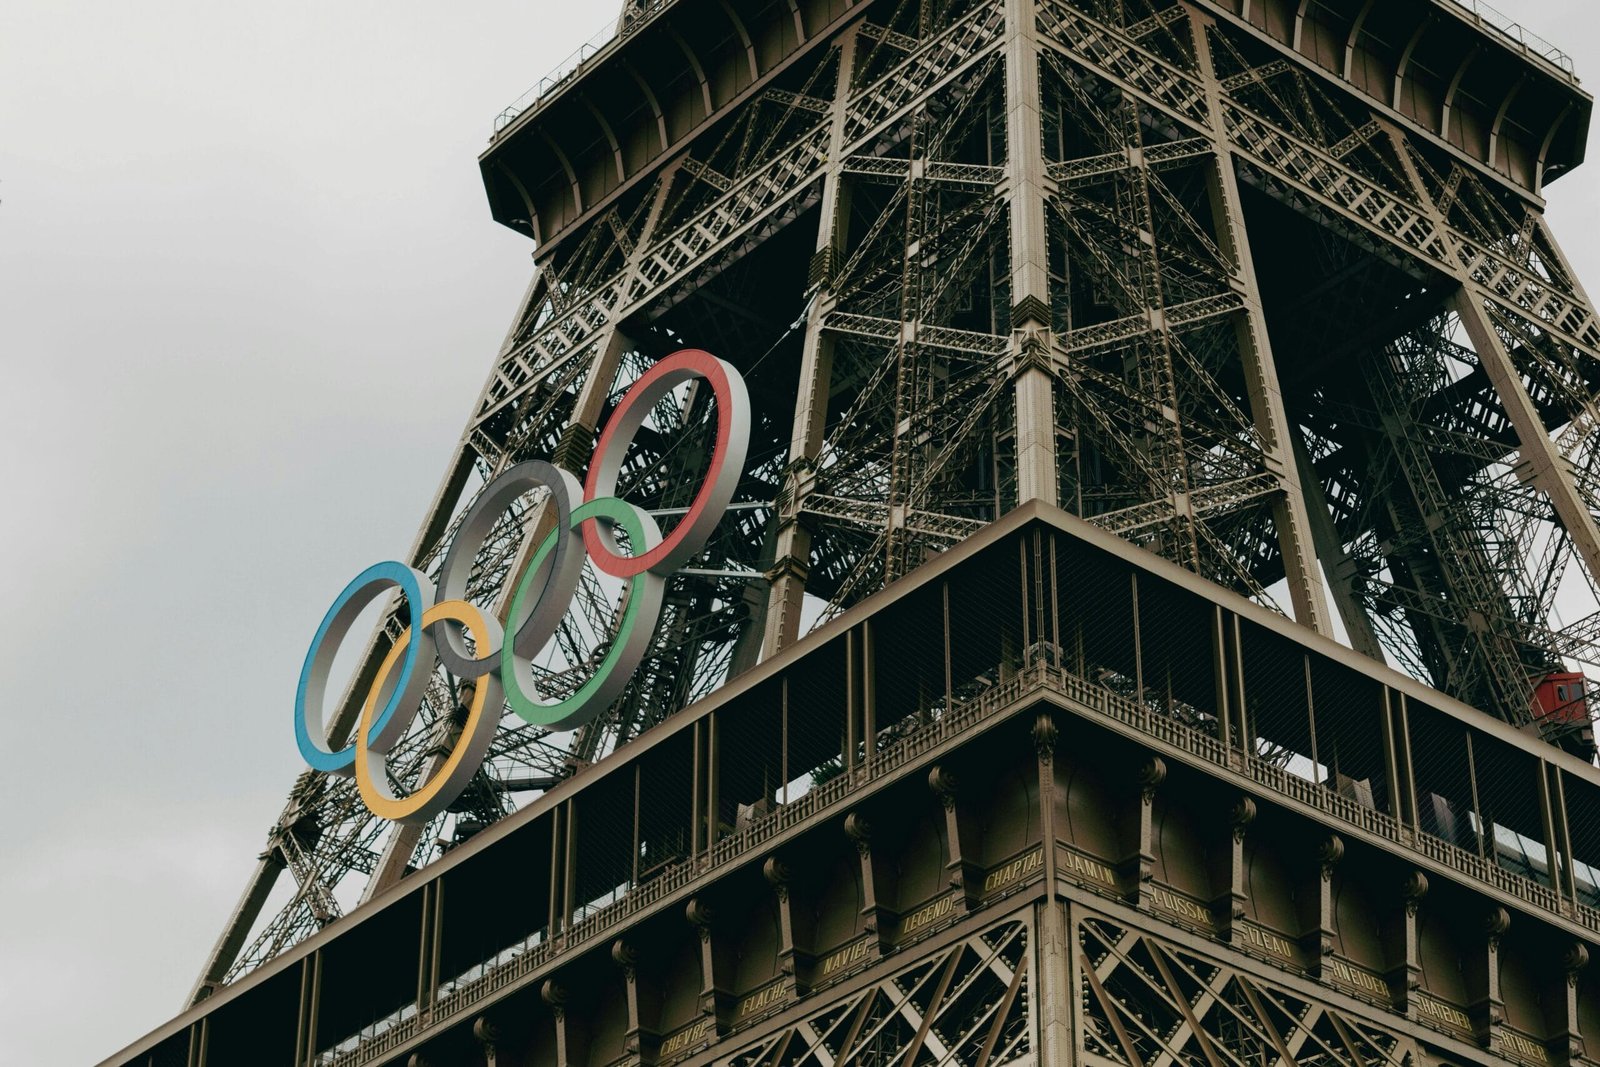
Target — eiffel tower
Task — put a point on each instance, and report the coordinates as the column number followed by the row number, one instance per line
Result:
column 1261, row 287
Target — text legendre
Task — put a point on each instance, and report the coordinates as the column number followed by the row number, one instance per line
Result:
column 924, row 917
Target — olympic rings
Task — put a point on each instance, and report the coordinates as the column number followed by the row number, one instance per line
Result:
column 503, row 672
column 716, row 492
column 559, row 577
column 310, row 695
column 434, row 795
column 627, row 646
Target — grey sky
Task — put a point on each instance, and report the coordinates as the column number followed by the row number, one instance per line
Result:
column 249, row 289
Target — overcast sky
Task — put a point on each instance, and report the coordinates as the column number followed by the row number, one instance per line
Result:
column 249, row 289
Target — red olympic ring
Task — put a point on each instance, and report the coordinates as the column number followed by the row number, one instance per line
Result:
column 727, row 462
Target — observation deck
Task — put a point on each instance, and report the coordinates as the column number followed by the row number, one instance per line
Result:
column 1460, row 72
column 1045, row 722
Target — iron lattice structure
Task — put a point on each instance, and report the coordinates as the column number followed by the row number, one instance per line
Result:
column 1158, row 262
column 1149, row 1001
column 967, row 1003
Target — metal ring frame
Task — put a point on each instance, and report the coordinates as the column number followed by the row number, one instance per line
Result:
column 503, row 671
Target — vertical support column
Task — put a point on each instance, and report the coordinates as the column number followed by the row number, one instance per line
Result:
column 1407, row 765
column 1057, row 1044
column 1138, row 639
column 1403, row 951
column 713, row 787
column 1036, row 432
column 792, row 553
column 1555, row 855
column 697, row 779
column 572, row 1033
column 200, row 1039
column 569, row 867
column 794, row 961
column 877, row 883
column 1316, row 943
column 1573, row 962
column 1227, row 907
column 852, row 703
column 644, row 1001
column 949, row 651
column 1037, row 477
column 965, row 869
column 716, row 996
column 554, row 921
column 1139, row 869
column 1488, row 1008
column 1221, row 675
column 428, row 939
column 435, row 943
column 1241, row 708
column 1481, row 833
column 638, row 824
column 869, row 693
column 1311, row 723
column 1391, row 763
column 1569, row 882
column 1290, row 516
column 310, row 1001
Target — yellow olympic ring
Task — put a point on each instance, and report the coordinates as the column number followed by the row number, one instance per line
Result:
column 372, row 763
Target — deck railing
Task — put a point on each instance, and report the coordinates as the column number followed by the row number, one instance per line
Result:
column 914, row 741
column 1507, row 27
column 615, row 29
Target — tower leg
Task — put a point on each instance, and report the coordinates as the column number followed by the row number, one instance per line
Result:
column 1340, row 567
column 1290, row 517
column 792, row 554
column 1037, row 478
column 1546, row 467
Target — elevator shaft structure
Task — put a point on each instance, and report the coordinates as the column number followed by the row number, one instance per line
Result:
column 1261, row 286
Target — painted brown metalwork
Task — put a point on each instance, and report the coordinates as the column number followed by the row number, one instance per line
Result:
column 1260, row 287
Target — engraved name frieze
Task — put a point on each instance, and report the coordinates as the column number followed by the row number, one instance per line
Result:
column 1431, row 1010
column 1517, row 1045
column 927, row 915
column 688, row 1036
column 1250, row 936
column 762, row 999
column 1083, row 869
column 1357, row 979
column 841, row 960
column 1179, row 907
column 1011, row 873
